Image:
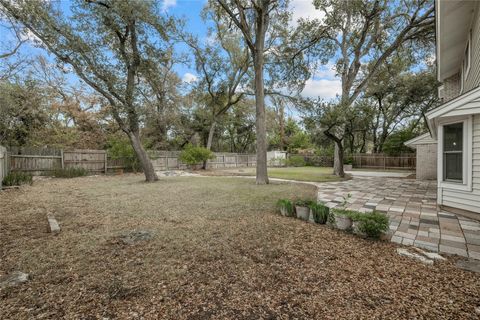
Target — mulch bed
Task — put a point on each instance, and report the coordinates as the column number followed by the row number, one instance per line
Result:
column 215, row 250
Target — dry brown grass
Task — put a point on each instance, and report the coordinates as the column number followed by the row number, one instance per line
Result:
column 218, row 251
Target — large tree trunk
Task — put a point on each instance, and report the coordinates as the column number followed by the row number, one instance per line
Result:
column 145, row 162
column 338, row 159
column 211, row 132
column 283, row 142
column 338, row 155
column 262, row 175
column 209, row 141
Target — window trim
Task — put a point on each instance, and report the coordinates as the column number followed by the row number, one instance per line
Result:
column 466, row 183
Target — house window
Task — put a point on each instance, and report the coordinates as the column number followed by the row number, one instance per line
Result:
column 453, row 152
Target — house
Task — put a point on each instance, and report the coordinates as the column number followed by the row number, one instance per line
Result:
column 455, row 124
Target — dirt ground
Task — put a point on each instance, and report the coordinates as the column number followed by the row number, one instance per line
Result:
column 218, row 251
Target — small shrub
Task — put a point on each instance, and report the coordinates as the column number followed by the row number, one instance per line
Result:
column 320, row 212
column 277, row 161
column 373, row 224
column 287, row 205
column 119, row 148
column 348, row 160
column 296, row 161
column 195, row 155
column 340, row 212
column 70, row 172
column 304, row 203
column 344, row 212
column 17, row 179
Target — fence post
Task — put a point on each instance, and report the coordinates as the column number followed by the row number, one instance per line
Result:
column 384, row 162
column 61, row 160
column 106, row 168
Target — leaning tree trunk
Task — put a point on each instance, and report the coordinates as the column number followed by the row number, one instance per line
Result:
column 261, row 130
column 209, row 141
column 338, row 159
column 145, row 162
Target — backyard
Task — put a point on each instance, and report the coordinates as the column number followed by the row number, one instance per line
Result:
column 205, row 248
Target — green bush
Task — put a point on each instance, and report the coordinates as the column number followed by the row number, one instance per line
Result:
column 373, row 224
column 287, row 205
column 348, row 159
column 320, row 212
column 304, row 203
column 195, row 155
column 69, row 173
column 341, row 212
column 296, row 161
column 120, row 148
column 17, row 179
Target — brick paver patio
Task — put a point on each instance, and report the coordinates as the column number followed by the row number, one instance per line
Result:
column 411, row 206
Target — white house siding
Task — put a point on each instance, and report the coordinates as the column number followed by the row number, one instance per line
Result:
column 473, row 78
column 468, row 200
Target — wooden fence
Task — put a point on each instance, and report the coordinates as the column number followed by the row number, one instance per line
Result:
column 42, row 161
column 315, row 160
column 166, row 160
column 94, row 161
column 381, row 161
column 365, row 160
column 3, row 164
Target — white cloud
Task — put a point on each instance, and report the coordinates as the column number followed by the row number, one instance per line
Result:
column 189, row 77
column 325, row 72
column 167, row 4
column 323, row 88
column 304, row 9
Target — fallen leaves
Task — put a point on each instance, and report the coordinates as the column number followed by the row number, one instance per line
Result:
column 219, row 251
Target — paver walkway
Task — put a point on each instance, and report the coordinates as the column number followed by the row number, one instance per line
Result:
column 411, row 206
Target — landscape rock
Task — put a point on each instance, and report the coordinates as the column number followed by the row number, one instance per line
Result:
column 136, row 236
column 53, row 223
column 408, row 254
column 13, row 279
column 430, row 255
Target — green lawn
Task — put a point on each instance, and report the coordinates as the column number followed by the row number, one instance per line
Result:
column 314, row 174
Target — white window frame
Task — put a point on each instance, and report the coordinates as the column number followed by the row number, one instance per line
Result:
column 466, row 183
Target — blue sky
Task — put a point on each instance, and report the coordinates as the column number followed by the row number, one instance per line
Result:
column 323, row 83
